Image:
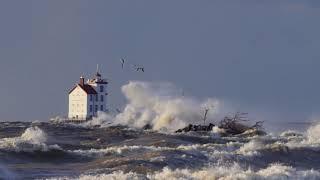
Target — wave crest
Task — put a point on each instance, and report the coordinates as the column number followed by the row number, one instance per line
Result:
column 235, row 171
column 33, row 139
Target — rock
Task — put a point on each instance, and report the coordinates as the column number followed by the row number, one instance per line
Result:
column 147, row 127
column 196, row 128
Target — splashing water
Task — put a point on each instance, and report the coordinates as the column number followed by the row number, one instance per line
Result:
column 100, row 150
column 34, row 135
column 159, row 105
column 31, row 140
column 313, row 134
column 274, row 171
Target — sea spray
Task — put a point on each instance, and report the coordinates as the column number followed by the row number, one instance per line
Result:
column 313, row 134
column 34, row 135
column 32, row 139
column 251, row 148
column 308, row 139
column 102, row 120
column 159, row 105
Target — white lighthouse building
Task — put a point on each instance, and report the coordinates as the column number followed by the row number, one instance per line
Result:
column 87, row 98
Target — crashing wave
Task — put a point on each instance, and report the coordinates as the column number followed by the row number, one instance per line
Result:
column 102, row 120
column 33, row 139
column 313, row 134
column 290, row 133
column 251, row 148
column 310, row 139
column 159, row 105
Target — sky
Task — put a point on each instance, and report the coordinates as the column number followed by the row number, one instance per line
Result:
column 260, row 56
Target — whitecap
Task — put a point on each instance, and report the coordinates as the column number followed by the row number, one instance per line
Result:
column 32, row 139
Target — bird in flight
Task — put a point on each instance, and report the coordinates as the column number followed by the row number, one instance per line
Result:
column 139, row 68
column 122, row 62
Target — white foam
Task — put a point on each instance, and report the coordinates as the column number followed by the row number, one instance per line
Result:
column 235, row 171
column 158, row 159
column 290, row 133
column 212, row 151
column 117, row 150
column 159, row 105
column 313, row 134
column 251, row 148
column 102, row 120
column 31, row 140
column 118, row 175
column 310, row 139
column 191, row 149
column 34, row 135
column 217, row 132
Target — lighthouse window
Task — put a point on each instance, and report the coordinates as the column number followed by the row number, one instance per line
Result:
column 101, row 89
column 102, row 98
column 101, row 107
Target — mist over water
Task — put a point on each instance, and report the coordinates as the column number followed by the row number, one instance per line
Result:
column 114, row 146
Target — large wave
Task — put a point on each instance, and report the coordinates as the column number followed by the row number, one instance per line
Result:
column 33, row 139
column 162, row 106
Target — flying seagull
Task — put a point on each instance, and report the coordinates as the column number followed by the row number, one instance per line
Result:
column 139, row 68
column 122, row 62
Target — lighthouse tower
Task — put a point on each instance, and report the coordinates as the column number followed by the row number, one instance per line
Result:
column 99, row 102
column 87, row 98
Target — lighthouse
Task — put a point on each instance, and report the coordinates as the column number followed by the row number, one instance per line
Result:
column 87, row 98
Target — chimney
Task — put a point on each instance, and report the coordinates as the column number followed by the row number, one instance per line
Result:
column 81, row 81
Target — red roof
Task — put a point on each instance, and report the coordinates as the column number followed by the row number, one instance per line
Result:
column 87, row 88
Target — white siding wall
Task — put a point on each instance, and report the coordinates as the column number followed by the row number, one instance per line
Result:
column 91, row 113
column 100, row 103
column 78, row 104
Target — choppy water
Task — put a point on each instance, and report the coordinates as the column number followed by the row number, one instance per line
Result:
column 66, row 151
